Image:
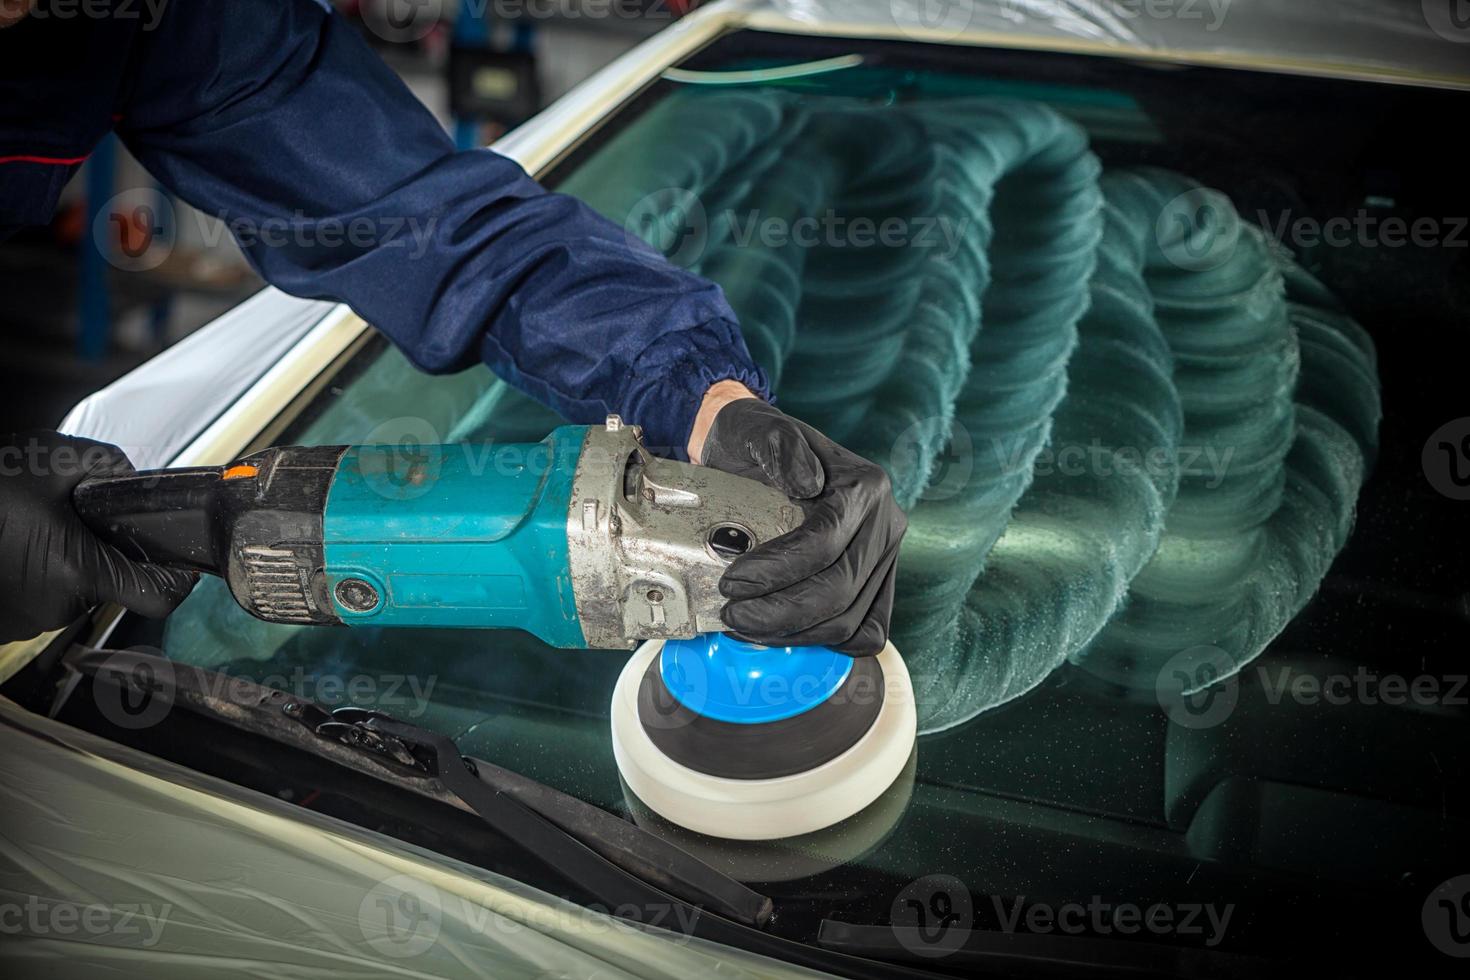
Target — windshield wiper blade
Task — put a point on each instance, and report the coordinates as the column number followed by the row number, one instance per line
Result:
column 486, row 788
column 617, row 861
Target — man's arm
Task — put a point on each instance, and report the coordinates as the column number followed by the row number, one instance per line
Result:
column 276, row 117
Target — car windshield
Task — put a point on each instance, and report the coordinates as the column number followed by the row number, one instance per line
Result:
column 1182, row 595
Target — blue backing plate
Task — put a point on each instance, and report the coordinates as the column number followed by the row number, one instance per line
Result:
column 730, row 680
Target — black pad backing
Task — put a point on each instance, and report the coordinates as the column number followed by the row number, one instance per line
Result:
column 764, row 751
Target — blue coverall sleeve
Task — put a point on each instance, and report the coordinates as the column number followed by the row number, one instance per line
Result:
column 275, row 116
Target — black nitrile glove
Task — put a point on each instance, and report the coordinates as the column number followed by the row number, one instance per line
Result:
column 52, row 567
column 830, row 581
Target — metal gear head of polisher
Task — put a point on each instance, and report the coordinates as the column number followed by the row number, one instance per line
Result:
column 745, row 742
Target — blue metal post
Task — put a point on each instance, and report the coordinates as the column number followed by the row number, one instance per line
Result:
column 470, row 30
column 466, row 134
column 525, row 34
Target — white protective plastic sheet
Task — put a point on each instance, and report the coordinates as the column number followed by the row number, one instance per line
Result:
column 158, row 409
column 116, row 863
column 1398, row 37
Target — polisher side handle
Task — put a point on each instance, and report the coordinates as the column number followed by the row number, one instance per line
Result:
column 257, row 523
column 166, row 517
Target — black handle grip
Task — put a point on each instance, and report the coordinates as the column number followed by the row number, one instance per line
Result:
column 257, row 523
column 167, row 517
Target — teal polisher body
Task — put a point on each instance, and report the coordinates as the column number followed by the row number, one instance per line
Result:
column 583, row 539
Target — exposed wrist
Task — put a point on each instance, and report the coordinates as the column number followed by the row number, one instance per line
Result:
column 718, row 395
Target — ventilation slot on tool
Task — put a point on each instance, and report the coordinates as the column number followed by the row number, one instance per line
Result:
column 277, row 585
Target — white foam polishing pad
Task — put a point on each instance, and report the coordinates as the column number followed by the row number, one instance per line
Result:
column 764, row 809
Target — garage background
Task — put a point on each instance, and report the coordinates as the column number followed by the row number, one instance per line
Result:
column 80, row 308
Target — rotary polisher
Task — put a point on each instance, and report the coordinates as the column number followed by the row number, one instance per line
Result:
column 584, row 540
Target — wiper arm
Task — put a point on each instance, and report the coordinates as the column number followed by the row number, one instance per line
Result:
column 511, row 802
column 617, row 861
